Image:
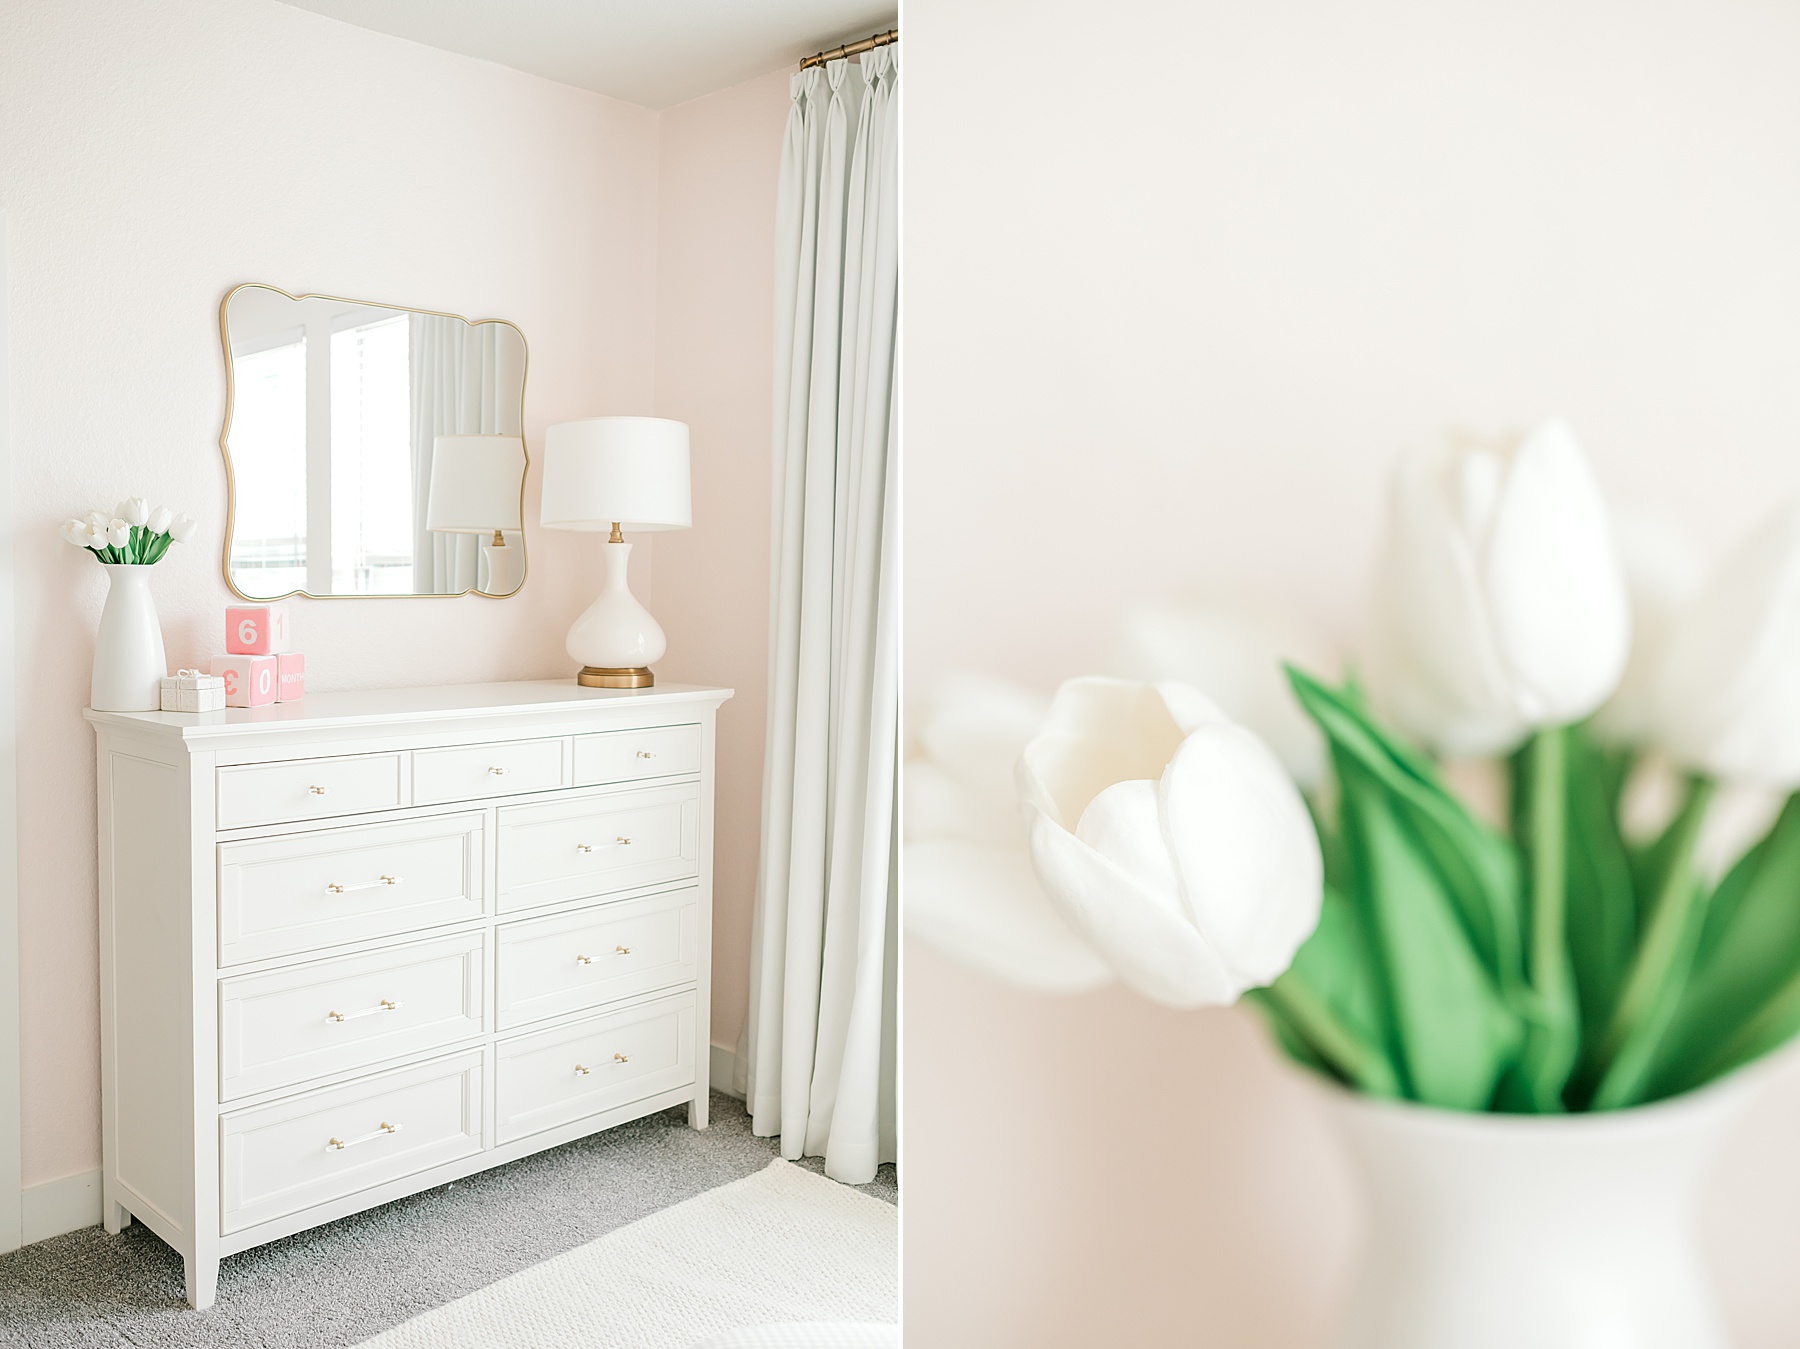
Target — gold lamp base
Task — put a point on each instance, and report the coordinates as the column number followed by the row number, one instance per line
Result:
column 596, row 677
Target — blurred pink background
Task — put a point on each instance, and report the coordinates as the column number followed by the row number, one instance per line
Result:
column 1182, row 278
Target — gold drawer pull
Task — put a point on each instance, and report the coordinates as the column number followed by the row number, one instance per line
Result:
column 385, row 1005
column 582, row 1070
column 318, row 791
column 339, row 1144
column 620, row 842
column 645, row 754
column 589, row 960
column 498, row 772
column 337, row 889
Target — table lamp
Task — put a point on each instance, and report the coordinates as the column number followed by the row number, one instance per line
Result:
column 476, row 486
column 616, row 473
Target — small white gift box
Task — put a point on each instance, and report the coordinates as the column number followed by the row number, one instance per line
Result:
column 193, row 691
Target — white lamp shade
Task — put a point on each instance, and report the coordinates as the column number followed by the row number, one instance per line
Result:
column 476, row 483
column 633, row 470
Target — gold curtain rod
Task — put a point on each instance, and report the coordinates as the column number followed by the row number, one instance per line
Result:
column 868, row 44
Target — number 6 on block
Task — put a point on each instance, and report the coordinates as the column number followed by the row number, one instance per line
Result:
column 250, row 681
column 258, row 630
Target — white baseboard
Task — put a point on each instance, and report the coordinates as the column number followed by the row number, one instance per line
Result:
column 724, row 1065
column 65, row 1205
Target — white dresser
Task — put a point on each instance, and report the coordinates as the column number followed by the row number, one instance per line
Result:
column 361, row 945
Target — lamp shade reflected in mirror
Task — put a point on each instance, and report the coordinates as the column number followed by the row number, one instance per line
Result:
column 338, row 411
column 476, row 483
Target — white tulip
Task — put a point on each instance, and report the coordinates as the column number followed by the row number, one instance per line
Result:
column 1729, row 685
column 95, row 536
column 160, row 520
column 970, row 888
column 118, row 533
column 182, row 528
column 1236, row 652
column 75, row 531
column 133, row 510
column 99, row 518
column 1663, row 575
column 1171, row 840
column 1500, row 603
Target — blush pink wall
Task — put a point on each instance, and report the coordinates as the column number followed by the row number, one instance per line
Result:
column 151, row 156
column 1181, row 278
column 720, row 168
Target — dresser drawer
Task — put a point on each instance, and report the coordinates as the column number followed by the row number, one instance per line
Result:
column 622, row 756
column 594, row 845
column 472, row 772
column 304, row 892
column 282, row 1158
column 581, row 1069
column 329, row 1016
column 575, row 961
column 309, row 789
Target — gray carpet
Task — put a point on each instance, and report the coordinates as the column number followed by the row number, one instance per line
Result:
column 338, row 1284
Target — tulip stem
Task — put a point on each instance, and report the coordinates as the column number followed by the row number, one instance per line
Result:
column 1556, row 1029
column 1652, row 988
column 1366, row 1069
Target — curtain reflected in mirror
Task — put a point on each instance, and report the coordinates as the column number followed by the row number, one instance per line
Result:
column 371, row 450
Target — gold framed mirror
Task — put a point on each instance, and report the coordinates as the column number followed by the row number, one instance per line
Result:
column 370, row 450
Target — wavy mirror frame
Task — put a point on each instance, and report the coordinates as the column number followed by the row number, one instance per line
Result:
column 230, row 481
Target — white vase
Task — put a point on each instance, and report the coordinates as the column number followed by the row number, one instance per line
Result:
column 1554, row 1232
column 128, row 652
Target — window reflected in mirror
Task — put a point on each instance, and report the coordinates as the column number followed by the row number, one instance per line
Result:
column 371, row 450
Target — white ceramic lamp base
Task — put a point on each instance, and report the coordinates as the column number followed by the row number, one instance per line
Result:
column 503, row 567
column 616, row 640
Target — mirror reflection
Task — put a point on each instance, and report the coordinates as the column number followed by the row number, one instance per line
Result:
column 371, row 450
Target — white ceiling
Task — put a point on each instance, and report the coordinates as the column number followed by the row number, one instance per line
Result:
column 652, row 52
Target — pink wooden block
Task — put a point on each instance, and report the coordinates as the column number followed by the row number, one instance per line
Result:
column 250, row 681
column 290, row 677
column 256, row 630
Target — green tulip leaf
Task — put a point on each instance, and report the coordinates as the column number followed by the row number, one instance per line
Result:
column 1736, row 1005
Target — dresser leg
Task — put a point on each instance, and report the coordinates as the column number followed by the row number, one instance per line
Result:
column 697, row 1111
column 202, row 1282
column 114, row 1217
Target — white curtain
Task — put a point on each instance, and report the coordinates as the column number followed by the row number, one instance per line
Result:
column 817, row 1063
column 460, row 383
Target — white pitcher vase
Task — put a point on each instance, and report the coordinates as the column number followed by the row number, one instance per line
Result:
column 129, row 664
column 1554, row 1232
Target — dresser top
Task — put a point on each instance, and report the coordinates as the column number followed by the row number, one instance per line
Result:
column 397, row 707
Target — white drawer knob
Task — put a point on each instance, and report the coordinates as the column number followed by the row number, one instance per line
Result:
column 621, row 1058
column 339, row 1144
column 584, row 847
column 622, row 841
column 318, row 791
column 622, row 950
column 498, row 772
column 645, row 754
column 385, row 1005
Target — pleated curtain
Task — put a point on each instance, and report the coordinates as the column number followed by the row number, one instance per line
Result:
column 458, row 379
column 817, row 1063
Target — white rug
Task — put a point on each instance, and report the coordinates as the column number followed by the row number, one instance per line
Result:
column 782, row 1245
